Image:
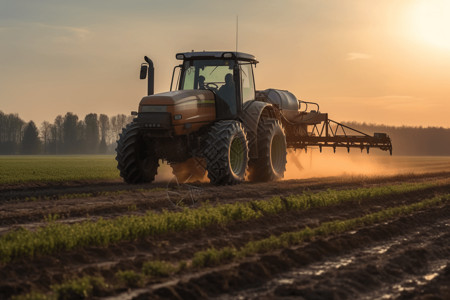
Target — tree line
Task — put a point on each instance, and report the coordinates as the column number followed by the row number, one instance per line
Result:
column 97, row 134
column 68, row 134
column 406, row 140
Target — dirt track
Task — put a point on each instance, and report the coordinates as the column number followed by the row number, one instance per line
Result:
column 404, row 257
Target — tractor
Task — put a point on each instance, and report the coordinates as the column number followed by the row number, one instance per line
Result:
column 214, row 121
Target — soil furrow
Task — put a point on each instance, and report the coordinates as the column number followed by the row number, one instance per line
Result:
column 22, row 193
column 134, row 201
column 391, row 267
column 237, row 279
column 26, row 274
column 381, row 270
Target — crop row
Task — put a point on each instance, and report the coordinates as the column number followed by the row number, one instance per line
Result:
column 55, row 237
column 214, row 257
column 83, row 287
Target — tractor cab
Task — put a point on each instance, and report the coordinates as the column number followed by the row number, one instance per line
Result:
column 229, row 75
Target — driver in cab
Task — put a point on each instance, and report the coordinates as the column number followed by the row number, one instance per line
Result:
column 227, row 93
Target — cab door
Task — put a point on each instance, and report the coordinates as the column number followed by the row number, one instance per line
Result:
column 247, row 82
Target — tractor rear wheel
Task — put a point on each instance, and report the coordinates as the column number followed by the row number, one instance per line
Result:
column 135, row 158
column 226, row 153
column 271, row 162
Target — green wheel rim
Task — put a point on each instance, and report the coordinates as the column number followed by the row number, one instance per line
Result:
column 237, row 156
column 277, row 153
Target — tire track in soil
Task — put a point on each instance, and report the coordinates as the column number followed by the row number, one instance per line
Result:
column 18, row 212
column 437, row 288
column 415, row 246
column 20, row 192
column 32, row 213
column 26, row 274
column 410, row 260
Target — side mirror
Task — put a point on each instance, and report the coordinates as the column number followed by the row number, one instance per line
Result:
column 144, row 69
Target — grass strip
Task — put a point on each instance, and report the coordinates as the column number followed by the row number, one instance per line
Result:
column 56, row 168
column 55, row 237
column 130, row 278
column 20, row 169
column 78, row 288
column 213, row 257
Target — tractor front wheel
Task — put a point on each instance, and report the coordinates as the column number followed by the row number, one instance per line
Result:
column 135, row 157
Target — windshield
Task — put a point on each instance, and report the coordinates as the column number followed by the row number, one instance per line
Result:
column 214, row 75
column 203, row 74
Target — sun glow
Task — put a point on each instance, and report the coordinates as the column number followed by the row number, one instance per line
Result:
column 431, row 22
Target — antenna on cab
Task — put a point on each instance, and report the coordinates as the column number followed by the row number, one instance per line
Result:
column 237, row 31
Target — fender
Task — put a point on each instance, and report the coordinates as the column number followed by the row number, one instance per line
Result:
column 252, row 112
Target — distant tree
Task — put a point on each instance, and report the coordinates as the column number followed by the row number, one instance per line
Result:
column 46, row 136
column 104, row 125
column 10, row 133
column 91, row 133
column 81, row 146
column 69, row 127
column 30, row 143
column 104, row 128
column 117, row 123
column 58, row 135
column 52, row 145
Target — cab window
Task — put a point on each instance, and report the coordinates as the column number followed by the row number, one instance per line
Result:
column 248, row 86
column 205, row 74
column 213, row 75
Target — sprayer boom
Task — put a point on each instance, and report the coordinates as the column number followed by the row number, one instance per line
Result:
column 334, row 135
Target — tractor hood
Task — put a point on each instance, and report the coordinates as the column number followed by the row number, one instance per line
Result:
column 183, row 97
column 188, row 110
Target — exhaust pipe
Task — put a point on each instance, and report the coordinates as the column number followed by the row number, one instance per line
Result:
column 151, row 76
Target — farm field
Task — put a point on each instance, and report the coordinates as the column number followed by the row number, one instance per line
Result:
column 354, row 236
column 65, row 170
column 56, row 168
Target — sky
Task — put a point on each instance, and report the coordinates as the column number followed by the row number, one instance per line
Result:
column 384, row 62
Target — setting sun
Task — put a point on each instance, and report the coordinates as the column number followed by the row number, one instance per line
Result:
column 431, row 22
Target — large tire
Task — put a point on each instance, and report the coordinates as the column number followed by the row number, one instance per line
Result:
column 193, row 169
column 226, row 153
column 271, row 162
column 136, row 163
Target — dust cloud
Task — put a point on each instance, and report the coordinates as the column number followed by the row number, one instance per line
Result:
column 315, row 164
column 302, row 165
column 192, row 170
column 164, row 173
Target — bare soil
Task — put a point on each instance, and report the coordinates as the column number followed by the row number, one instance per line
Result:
column 404, row 258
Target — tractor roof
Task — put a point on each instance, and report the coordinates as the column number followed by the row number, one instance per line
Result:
column 216, row 55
